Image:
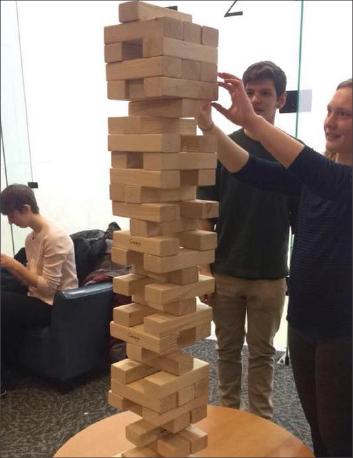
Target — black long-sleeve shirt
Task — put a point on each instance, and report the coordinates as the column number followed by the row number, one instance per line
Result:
column 320, row 288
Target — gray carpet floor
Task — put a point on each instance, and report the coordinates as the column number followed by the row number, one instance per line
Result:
column 36, row 420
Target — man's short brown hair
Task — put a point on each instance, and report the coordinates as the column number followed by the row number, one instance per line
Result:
column 15, row 197
column 266, row 70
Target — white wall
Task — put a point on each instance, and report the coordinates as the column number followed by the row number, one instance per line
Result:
column 65, row 87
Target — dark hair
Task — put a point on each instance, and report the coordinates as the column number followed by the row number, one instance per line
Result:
column 266, row 70
column 15, row 197
column 346, row 83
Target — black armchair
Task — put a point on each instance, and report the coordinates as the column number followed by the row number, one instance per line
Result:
column 77, row 339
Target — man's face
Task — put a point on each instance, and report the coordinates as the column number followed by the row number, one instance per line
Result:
column 264, row 99
column 19, row 217
column 338, row 122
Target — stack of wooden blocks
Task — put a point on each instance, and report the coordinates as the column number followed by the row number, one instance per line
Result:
column 166, row 66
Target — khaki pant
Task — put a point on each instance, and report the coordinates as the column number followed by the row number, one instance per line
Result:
column 261, row 301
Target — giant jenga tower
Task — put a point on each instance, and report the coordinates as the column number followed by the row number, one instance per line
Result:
column 165, row 65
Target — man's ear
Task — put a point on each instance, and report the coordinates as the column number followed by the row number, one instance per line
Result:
column 281, row 100
column 26, row 209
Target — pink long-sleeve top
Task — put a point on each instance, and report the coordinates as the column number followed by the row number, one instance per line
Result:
column 50, row 255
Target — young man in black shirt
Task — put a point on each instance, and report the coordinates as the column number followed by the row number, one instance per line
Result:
column 251, row 258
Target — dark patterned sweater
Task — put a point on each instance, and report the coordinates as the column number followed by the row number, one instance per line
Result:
column 320, row 286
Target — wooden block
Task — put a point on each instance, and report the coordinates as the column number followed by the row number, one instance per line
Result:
column 135, row 392
column 158, row 27
column 190, row 70
column 178, row 424
column 179, row 161
column 197, row 438
column 125, row 161
column 123, row 404
column 185, row 258
column 154, row 46
column 151, row 125
column 201, row 387
column 199, row 144
column 165, row 179
column 141, row 433
column 161, row 324
column 198, row 240
column 126, row 257
column 202, row 209
column 177, row 308
column 176, row 108
column 137, row 335
column 185, row 395
column 190, row 336
column 163, row 293
column 138, row 194
column 198, row 177
column 140, row 452
column 173, row 446
column 152, row 229
column 117, row 192
column 159, row 420
column 116, row 52
column 208, row 72
column 184, row 276
column 198, row 413
column 160, row 66
column 162, row 384
column 176, row 363
column 141, row 11
column 140, row 354
column 128, row 371
column 117, row 90
column 160, row 212
column 131, row 314
column 159, row 246
column 161, row 86
column 209, row 36
column 192, row 32
column 130, row 283
column 166, row 143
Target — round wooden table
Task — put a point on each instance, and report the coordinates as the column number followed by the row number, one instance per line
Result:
column 231, row 433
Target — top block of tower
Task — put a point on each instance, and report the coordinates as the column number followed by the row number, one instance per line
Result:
column 140, row 11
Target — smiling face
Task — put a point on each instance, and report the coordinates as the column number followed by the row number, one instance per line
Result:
column 264, row 99
column 338, row 123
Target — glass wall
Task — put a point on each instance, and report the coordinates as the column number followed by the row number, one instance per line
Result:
column 64, row 89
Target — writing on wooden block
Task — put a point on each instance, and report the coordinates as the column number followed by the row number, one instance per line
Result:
column 151, row 125
column 198, row 240
column 160, row 27
column 141, row 432
column 128, row 371
column 152, row 229
column 173, row 108
column 204, row 177
column 202, row 209
column 163, row 293
column 141, row 11
column 131, row 314
column 159, row 212
column 137, row 335
column 168, row 143
column 159, row 246
column 150, row 178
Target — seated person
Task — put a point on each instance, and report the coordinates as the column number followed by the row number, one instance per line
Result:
column 50, row 268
